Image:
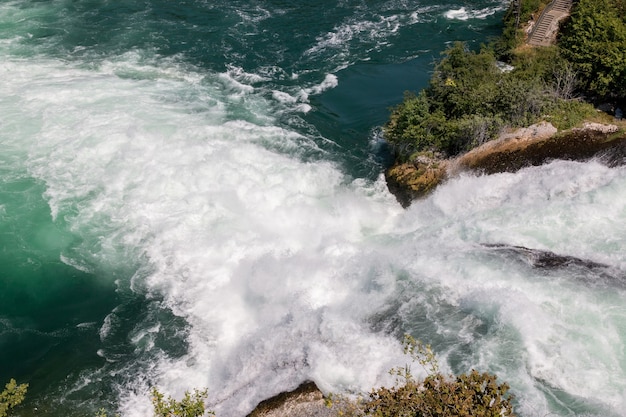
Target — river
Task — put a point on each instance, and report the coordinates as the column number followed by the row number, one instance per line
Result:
column 191, row 195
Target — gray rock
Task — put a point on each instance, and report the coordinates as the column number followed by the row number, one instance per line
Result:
column 305, row 401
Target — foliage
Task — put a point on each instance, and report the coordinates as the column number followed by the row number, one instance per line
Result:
column 412, row 123
column 461, row 80
column 594, row 40
column 12, row 396
column 469, row 100
column 192, row 404
column 438, row 395
column 103, row 413
column 568, row 114
column 457, row 111
column 471, row 395
column 518, row 13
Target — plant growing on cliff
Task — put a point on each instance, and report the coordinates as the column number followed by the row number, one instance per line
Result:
column 515, row 21
column 191, row 405
column 471, row 394
column 12, row 396
column 460, row 109
column 468, row 101
column 470, row 98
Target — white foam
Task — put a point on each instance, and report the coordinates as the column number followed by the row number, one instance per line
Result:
column 284, row 97
column 299, row 99
column 464, row 13
column 137, row 65
column 373, row 31
column 330, row 81
column 459, row 14
column 239, row 74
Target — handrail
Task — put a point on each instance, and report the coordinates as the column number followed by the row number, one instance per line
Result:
column 543, row 13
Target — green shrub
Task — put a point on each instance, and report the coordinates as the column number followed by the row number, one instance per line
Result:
column 438, row 395
column 464, row 82
column 469, row 100
column 192, row 404
column 413, row 127
column 567, row 114
column 594, row 40
column 468, row 395
column 12, row 396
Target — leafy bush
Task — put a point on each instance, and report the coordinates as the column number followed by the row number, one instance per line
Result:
column 469, row 99
column 12, row 396
column 414, row 125
column 464, row 82
column 594, row 40
column 438, row 395
column 191, row 405
column 468, row 395
column 459, row 109
column 567, row 114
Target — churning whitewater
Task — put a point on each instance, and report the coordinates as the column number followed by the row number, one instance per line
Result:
column 191, row 195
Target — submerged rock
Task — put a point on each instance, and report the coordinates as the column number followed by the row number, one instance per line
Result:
column 543, row 259
column 531, row 146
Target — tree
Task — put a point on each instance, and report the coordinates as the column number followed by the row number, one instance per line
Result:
column 12, row 396
column 413, row 127
column 594, row 41
column 465, row 82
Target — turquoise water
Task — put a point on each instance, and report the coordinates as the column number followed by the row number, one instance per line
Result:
column 191, row 196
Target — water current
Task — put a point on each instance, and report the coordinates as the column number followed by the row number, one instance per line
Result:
column 191, row 195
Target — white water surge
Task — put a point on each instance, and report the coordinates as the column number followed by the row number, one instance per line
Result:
column 285, row 269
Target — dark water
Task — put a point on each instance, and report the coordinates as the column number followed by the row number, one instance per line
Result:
column 191, row 196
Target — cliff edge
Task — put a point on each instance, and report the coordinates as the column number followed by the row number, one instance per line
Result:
column 510, row 152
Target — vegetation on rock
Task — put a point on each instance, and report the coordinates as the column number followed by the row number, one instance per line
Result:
column 471, row 394
column 472, row 96
column 12, row 396
column 594, row 41
column 191, row 405
column 438, row 395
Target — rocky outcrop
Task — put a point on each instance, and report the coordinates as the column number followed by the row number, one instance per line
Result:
column 542, row 259
column 415, row 179
column 305, row 401
column 512, row 151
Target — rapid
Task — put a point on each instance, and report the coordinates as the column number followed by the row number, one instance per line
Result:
column 191, row 195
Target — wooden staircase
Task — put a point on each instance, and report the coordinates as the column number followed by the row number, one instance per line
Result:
column 547, row 26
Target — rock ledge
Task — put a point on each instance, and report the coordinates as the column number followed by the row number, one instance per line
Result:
column 305, row 401
column 512, row 151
